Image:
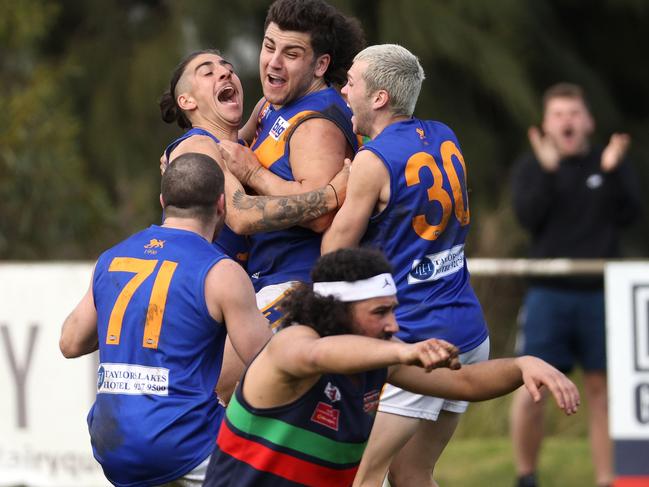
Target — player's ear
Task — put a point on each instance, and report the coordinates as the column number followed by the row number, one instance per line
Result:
column 220, row 205
column 186, row 102
column 380, row 99
column 321, row 65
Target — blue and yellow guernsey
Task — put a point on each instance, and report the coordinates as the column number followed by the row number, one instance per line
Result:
column 156, row 415
column 231, row 244
column 422, row 231
column 317, row 440
column 289, row 255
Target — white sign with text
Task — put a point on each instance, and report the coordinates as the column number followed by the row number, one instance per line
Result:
column 45, row 398
column 627, row 328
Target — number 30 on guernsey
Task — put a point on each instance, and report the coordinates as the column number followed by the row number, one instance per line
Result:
column 436, row 192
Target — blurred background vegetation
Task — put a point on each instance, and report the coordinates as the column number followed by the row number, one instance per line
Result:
column 81, row 132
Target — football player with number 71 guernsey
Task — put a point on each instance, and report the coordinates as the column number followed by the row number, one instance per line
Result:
column 407, row 197
column 158, row 308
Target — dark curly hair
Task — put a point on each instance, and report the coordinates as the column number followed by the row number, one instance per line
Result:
column 331, row 32
column 327, row 315
column 169, row 109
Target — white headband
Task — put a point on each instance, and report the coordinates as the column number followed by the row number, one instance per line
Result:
column 373, row 287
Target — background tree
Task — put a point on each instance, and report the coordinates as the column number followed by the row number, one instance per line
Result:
column 80, row 144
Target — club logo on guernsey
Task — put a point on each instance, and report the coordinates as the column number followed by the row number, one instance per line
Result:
column 332, row 392
column 152, row 247
column 132, row 379
column 278, row 128
column 154, row 243
column 435, row 266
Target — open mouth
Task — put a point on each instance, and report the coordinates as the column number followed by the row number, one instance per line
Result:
column 227, row 95
column 275, row 80
column 568, row 132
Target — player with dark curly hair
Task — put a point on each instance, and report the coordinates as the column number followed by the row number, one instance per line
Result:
column 302, row 133
column 303, row 410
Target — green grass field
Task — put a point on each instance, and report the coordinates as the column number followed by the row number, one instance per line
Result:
column 480, row 453
column 487, row 462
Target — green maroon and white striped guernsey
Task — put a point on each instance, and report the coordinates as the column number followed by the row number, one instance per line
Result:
column 317, row 440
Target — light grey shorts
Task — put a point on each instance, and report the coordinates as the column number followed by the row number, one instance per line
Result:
column 404, row 403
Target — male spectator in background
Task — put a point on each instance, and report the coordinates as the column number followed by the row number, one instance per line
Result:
column 158, row 308
column 407, row 196
column 302, row 133
column 573, row 198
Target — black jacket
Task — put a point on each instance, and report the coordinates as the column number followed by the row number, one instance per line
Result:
column 575, row 212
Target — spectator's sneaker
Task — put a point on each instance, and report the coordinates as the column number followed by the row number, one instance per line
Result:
column 527, row 481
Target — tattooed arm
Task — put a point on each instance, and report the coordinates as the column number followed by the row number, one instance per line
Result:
column 256, row 214
column 246, row 214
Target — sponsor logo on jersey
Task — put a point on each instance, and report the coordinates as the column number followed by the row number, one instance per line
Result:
column 371, row 402
column 421, row 133
column 326, row 415
column 132, row 379
column 435, row 266
column 255, row 275
column 332, row 392
column 278, row 128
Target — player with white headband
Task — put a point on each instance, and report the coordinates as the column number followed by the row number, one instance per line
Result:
column 304, row 408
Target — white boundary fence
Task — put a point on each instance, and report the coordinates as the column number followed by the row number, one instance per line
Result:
column 44, row 398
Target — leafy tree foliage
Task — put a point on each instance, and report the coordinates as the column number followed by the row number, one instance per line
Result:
column 82, row 134
column 49, row 207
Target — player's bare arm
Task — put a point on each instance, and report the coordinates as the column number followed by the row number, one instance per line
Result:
column 290, row 210
column 317, row 151
column 79, row 331
column 230, row 299
column 367, row 193
column 250, row 214
column 490, row 379
column 297, row 356
column 311, row 354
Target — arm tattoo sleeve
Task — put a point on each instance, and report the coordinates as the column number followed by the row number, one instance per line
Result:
column 278, row 212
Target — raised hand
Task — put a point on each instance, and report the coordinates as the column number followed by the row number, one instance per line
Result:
column 615, row 151
column 240, row 160
column 431, row 354
column 537, row 373
column 545, row 149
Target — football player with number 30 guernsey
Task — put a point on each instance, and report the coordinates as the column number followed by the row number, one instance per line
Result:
column 435, row 296
column 407, row 197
